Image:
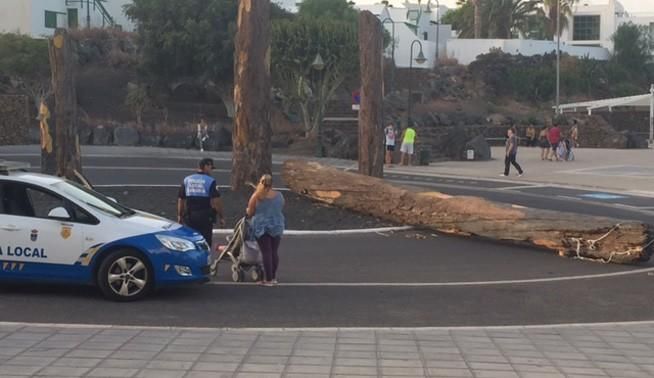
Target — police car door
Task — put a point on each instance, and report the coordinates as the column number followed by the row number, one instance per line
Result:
column 37, row 232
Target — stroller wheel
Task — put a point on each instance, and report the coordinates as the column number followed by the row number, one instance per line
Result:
column 237, row 276
column 256, row 275
column 235, row 268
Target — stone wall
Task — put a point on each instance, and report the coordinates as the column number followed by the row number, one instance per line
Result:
column 14, row 119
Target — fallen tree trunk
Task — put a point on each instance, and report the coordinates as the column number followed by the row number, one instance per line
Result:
column 572, row 235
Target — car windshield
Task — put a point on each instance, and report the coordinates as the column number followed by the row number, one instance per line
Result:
column 93, row 199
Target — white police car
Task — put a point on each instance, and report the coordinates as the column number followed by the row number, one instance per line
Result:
column 53, row 230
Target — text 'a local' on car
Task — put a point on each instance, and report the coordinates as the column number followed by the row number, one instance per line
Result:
column 54, row 230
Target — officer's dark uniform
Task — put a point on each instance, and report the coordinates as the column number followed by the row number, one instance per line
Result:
column 197, row 191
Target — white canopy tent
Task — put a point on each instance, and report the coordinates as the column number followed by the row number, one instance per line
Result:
column 640, row 102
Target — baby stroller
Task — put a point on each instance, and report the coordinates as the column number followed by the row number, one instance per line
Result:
column 244, row 253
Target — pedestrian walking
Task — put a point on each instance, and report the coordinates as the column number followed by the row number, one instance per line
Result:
column 265, row 209
column 530, row 134
column 390, row 134
column 554, row 137
column 408, row 143
column 544, row 143
column 199, row 203
column 202, row 133
column 574, row 135
column 511, row 152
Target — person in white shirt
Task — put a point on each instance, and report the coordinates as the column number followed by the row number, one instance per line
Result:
column 391, row 135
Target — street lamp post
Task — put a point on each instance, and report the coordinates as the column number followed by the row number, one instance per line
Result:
column 438, row 31
column 387, row 19
column 558, row 57
column 420, row 59
column 319, row 65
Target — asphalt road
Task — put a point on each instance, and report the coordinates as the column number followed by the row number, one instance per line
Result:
column 373, row 280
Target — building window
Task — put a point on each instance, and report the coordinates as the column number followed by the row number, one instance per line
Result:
column 50, row 20
column 586, row 28
column 73, row 20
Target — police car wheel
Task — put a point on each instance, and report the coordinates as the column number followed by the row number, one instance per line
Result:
column 125, row 276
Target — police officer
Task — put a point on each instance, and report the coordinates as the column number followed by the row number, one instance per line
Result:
column 199, row 201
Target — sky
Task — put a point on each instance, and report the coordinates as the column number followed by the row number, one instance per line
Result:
column 633, row 6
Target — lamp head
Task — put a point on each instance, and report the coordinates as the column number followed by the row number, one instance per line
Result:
column 318, row 64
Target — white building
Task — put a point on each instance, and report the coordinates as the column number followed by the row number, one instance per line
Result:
column 410, row 23
column 593, row 22
column 39, row 18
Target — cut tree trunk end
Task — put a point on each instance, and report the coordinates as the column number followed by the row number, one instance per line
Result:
column 571, row 235
column 66, row 140
column 371, row 145
column 252, row 152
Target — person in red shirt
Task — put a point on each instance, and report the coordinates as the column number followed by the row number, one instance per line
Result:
column 554, row 137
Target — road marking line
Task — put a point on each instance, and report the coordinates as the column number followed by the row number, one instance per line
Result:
column 450, row 284
column 225, row 231
column 524, row 187
column 166, row 186
column 648, row 323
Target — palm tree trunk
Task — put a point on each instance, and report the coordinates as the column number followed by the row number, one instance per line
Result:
column 477, row 5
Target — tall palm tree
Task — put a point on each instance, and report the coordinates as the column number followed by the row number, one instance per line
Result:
column 477, row 25
column 508, row 17
column 549, row 11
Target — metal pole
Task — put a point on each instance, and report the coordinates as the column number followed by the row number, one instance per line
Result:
column 558, row 57
column 392, row 49
column 438, row 32
column 651, row 117
column 410, row 85
column 88, row 14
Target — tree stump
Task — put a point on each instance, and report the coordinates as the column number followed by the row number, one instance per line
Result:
column 573, row 235
column 371, row 130
column 252, row 153
column 66, row 141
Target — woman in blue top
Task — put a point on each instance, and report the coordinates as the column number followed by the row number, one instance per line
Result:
column 265, row 208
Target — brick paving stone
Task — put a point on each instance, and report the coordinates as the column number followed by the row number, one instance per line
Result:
column 113, row 372
column 207, row 374
column 82, row 353
column 191, row 357
column 215, row 366
column 30, row 361
column 257, row 375
column 304, row 375
column 354, row 370
column 155, row 373
column 76, row 362
column 489, row 366
column 262, row 368
column 256, row 359
column 219, row 358
column 120, row 363
column 62, row 371
column 523, row 368
column 403, row 371
column 308, row 369
column 356, row 362
column 580, row 370
column 438, row 372
column 169, row 365
column 447, row 364
column 297, row 360
column 134, row 355
column 494, row 374
column 530, row 374
column 18, row 370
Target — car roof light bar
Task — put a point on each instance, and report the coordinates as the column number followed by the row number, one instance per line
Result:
column 12, row 166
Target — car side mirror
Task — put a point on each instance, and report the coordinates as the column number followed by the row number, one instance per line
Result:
column 59, row 213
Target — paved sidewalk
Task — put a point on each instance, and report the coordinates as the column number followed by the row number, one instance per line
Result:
column 613, row 170
column 531, row 352
column 617, row 170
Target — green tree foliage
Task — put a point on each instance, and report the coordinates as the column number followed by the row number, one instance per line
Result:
column 295, row 44
column 327, row 9
column 508, row 18
column 25, row 61
column 633, row 51
column 190, row 38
